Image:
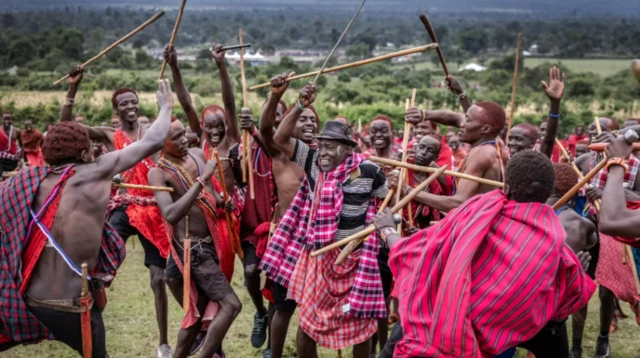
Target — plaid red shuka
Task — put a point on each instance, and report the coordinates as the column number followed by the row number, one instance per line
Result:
column 296, row 233
column 17, row 195
column 491, row 275
column 600, row 180
column 144, row 218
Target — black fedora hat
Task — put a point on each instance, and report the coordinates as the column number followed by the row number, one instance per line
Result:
column 338, row 131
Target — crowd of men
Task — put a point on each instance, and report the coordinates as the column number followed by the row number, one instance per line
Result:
column 479, row 264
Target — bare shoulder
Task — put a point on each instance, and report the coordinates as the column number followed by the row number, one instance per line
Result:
column 198, row 153
column 483, row 155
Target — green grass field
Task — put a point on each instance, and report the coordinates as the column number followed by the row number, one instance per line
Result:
column 132, row 330
column 601, row 67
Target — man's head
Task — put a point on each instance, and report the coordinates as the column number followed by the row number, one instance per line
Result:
column 115, row 122
column 7, row 120
column 143, row 120
column 176, row 144
column 125, row 104
column 606, row 124
column 307, row 125
column 543, row 129
column 28, row 125
column 213, row 124
column 280, row 110
column 579, row 130
column 423, row 129
column 483, row 121
column 450, row 134
column 581, row 148
column 381, row 132
column 79, row 119
column 523, row 136
column 427, row 151
column 631, row 122
column 566, row 178
column 454, row 143
column 529, row 177
column 335, row 144
column 192, row 137
column 66, row 143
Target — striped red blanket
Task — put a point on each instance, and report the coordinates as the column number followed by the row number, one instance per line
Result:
column 488, row 277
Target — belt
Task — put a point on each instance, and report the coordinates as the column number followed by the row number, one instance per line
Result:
column 71, row 305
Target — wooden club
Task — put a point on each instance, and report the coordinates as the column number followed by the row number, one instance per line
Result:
column 173, row 35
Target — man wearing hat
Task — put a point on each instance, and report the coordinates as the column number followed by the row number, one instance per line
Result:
column 338, row 304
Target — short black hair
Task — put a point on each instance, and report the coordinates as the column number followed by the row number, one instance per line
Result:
column 530, row 177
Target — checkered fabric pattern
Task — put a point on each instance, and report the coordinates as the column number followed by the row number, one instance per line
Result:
column 600, row 180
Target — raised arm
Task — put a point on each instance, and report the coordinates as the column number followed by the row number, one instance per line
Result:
column 555, row 91
column 115, row 162
column 615, row 218
column 233, row 133
column 171, row 56
column 75, row 77
column 456, row 88
column 448, row 118
column 284, row 135
column 268, row 119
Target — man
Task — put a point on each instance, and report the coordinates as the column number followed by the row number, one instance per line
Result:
column 338, row 305
column 467, row 288
column 381, row 135
column 427, row 128
column 523, row 136
column 556, row 154
column 458, row 151
column 10, row 146
column 134, row 212
column 189, row 212
column 479, row 128
column 32, row 143
column 582, row 148
column 143, row 120
column 575, row 137
column 67, row 202
column 79, row 119
column 290, row 161
column 115, row 122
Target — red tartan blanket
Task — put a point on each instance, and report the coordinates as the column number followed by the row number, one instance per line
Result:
column 489, row 276
column 17, row 195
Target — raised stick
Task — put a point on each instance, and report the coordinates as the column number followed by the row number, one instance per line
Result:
column 173, row 35
column 371, row 228
column 354, row 64
column 326, row 60
column 245, row 135
column 418, row 168
column 598, row 127
column 405, row 144
column 571, row 193
column 143, row 187
column 514, row 89
column 434, row 39
column 235, row 47
column 599, row 147
column 234, row 240
column 115, row 44
column 186, row 268
column 353, row 244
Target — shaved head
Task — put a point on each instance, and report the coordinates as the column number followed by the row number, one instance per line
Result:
column 493, row 115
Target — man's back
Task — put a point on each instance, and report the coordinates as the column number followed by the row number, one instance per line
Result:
column 580, row 231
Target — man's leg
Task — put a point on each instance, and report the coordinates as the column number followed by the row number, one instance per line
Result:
column 577, row 324
column 284, row 310
column 550, row 342
column 394, row 338
column 187, row 336
column 607, row 308
column 362, row 350
column 252, row 280
column 306, row 346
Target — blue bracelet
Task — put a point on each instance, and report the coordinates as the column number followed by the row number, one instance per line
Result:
column 300, row 106
column 555, row 116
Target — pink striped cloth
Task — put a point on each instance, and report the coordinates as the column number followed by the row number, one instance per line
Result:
column 487, row 278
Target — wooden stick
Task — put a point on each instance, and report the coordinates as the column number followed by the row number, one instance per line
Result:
column 231, row 219
column 418, row 168
column 245, row 135
column 9, row 174
column 142, row 187
column 85, row 318
column 249, row 160
column 186, row 268
column 235, row 47
column 354, row 64
column 600, row 147
column 173, row 35
column 353, row 244
column 514, row 88
column 598, row 127
column 115, row 44
column 326, row 60
column 406, row 172
column 571, row 193
column 434, row 39
column 596, row 203
column 371, row 228
column 405, row 145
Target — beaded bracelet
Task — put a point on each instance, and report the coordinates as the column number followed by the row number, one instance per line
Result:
column 300, row 106
column 617, row 161
column 555, row 116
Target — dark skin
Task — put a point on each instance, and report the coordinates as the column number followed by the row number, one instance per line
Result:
column 220, row 129
column 581, row 149
column 115, row 122
column 7, row 123
column 80, row 221
column 454, row 143
column 555, row 91
column 456, row 88
column 483, row 161
column 381, row 136
column 521, row 139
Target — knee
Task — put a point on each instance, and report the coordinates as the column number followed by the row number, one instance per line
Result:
column 157, row 283
column 605, row 294
column 232, row 304
column 173, row 283
column 251, row 272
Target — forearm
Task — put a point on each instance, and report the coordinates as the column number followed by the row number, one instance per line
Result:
column 229, row 101
column 286, row 128
column 613, row 206
column 447, row 118
column 267, row 124
column 67, row 111
column 549, row 139
column 185, row 101
column 465, row 102
column 157, row 133
column 179, row 209
column 439, row 202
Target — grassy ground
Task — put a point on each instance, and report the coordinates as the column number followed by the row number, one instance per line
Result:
column 602, row 67
column 132, row 331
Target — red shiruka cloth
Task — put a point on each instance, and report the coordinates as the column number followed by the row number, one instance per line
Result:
column 32, row 146
column 445, row 158
column 6, row 144
column 147, row 219
column 463, row 295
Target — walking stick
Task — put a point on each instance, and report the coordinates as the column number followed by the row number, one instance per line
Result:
column 231, row 219
column 173, row 35
column 247, row 161
column 405, row 145
column 371, row 228
column 85, row 316
column 514, row 88
column 186, row 259
column 115, row 44
column 142, row 187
